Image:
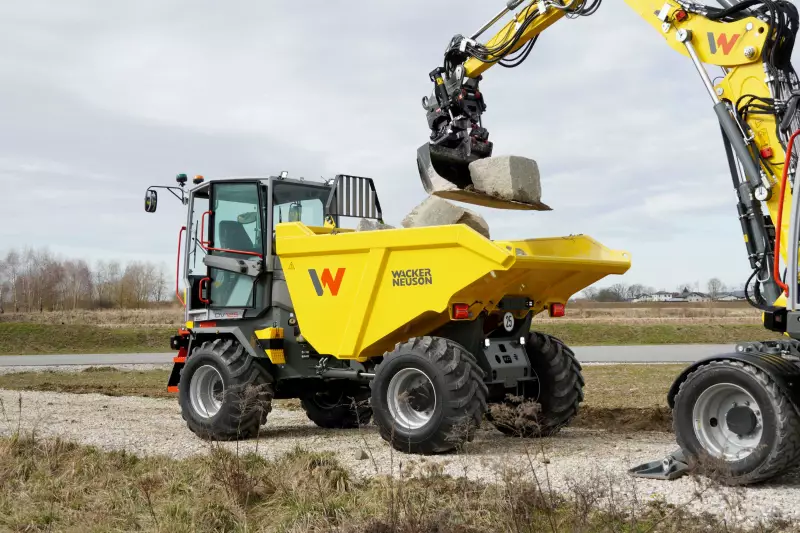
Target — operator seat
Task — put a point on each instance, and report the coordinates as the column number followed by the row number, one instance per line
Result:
column 233, row 236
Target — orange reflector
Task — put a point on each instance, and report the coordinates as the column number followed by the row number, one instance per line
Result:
column 172, row 389
column 557, row 310
column 460, row 311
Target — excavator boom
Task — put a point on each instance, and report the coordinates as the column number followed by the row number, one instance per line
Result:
column 727, row 406
column 757, row 112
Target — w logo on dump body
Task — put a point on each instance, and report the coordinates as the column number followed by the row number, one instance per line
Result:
column 327, row 280
column 722, row 41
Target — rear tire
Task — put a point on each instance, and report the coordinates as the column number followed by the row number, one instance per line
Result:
column 339, row 406
column 224, row 393
column 428, row 396
column 769, row 441
column 541, row 408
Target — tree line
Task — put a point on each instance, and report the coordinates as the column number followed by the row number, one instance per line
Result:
column 37, row 280
column 621, row 292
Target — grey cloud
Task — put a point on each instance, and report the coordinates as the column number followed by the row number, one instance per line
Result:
column 101, row 99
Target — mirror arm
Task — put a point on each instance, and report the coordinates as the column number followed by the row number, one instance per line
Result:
column 181, row 196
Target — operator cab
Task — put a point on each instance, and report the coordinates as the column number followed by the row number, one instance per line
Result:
column 228, row 258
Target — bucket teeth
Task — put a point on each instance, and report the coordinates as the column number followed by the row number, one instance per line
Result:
column 445, row 172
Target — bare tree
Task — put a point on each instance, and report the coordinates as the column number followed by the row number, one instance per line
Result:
column 590, row 293
column 715, row 288
column 615, row 293
column 12, row 274
column 620, row 290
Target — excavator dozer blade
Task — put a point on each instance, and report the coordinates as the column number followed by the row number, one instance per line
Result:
column 445, row 173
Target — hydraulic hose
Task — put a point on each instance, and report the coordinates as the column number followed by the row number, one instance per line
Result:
column 777, row 256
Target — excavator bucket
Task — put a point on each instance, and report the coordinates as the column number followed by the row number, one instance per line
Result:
column 447, row 173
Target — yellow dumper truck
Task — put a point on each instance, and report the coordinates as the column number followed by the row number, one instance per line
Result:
column 423, row 330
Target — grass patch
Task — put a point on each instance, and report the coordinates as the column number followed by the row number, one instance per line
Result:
column 100, row 380
column 604, row 334
column 20, row 338
column 618, row 397
column 51, row 485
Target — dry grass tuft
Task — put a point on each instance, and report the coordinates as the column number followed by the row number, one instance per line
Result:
column 51, row 485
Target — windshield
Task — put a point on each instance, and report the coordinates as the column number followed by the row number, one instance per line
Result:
column 293, row 202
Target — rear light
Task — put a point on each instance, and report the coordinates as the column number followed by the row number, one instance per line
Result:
column 460, row 311
column 557, row 310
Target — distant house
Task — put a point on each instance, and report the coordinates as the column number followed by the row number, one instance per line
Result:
column 733, row 296
column 664, row 296
column 660, row 296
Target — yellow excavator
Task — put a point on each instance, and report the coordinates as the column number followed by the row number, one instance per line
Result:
column 739, row 407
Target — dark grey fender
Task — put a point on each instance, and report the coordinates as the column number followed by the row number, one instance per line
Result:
column 250, row 344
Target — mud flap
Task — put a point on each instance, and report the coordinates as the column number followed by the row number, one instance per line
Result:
column 670, row 467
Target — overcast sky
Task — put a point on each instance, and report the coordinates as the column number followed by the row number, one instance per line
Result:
column 98, row 100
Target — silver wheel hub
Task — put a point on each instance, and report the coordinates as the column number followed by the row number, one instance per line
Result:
column 206, row 391
column 411, row 398
column 727, row 422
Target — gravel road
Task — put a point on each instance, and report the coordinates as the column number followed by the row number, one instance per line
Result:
column 600, row 459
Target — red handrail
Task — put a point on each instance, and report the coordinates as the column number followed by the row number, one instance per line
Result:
column 200, row 290
column 178, row 267
column 203, row 242
column 233, row 251
column 777, row 253
column 205, row 245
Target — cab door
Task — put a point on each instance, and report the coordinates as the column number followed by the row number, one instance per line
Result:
column 236, row 232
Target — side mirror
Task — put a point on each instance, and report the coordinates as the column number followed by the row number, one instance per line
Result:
column 150, row 201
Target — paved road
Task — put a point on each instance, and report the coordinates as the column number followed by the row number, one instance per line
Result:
column 668, row 353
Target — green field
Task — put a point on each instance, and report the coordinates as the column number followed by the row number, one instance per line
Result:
column 27, row 338
column 30, row 338
column 610, row 334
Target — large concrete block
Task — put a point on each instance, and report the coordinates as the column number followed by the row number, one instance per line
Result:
column 438, row 212
column 511, row 178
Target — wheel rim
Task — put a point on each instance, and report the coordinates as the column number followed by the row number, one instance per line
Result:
column 206, row 391
column 411, row 398
column 712, row 414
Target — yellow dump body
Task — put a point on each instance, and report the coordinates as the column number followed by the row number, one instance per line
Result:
column 356, row 294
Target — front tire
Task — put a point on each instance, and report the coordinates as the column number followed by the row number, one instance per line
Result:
column 428, row 396
column 733, row 414
column 224, row 393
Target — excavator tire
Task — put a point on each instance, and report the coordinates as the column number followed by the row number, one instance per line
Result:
column 541, row 408
column 340, row 406
column 224, row 393
column 759, row 432
column 428, row 396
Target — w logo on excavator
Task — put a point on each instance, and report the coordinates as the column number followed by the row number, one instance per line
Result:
column 327, row 280
column 722, row 41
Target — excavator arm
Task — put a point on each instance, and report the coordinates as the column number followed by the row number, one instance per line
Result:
column 755, row 100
